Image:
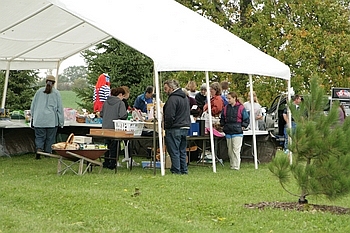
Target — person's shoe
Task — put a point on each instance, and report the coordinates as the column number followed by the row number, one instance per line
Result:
column 37, row 156
column 105, row 164
column 286, row 151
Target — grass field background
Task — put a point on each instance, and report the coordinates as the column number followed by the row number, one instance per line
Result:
column 35, row 199
column 69, row 99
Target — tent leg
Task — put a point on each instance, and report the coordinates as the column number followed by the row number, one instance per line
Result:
column 210, row 123
column 252, row 114
column 159, row 117
column 5, row 85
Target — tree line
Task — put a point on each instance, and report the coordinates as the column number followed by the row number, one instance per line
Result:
column 311, row 37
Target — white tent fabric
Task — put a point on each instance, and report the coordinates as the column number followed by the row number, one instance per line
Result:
column 175, row 37
column 37, row 34
column 43, row 33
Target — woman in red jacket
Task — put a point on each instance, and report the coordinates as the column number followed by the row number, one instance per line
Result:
column 216, row 102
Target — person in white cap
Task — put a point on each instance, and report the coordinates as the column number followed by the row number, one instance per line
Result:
column 47, row 115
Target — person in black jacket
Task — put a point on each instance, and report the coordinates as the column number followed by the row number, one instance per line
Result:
column 201, row 98
column 176, row 123
column 234, row 119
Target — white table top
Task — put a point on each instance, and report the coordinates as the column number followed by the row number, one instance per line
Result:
column 13, row 124
column 257, row 132
column 82, row 124
column 22, row 124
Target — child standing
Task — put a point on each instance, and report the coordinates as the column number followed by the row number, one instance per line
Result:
column 234, row 120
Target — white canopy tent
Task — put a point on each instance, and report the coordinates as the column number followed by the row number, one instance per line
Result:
column 43, row 33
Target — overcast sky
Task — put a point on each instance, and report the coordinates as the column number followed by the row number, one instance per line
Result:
column 76, row 60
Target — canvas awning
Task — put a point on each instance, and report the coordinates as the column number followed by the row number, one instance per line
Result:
column 39, row 35
column 43, row 33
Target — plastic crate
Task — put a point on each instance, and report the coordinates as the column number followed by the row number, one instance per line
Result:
column 132, row 126
column 150, row 164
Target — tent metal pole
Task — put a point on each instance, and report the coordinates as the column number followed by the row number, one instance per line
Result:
column 213, row 156
column 5, row 85
column 57, row 70
column 159, row 116
column 289, row 120
column 252, row 115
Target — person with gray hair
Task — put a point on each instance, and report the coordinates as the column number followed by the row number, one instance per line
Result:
column 176, row 124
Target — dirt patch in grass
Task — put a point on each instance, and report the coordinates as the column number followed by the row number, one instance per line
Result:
column 299, row 207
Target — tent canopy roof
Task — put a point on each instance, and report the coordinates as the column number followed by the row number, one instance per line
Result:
column 43, row 33
column 40, row 35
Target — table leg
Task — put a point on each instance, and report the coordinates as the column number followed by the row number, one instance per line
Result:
column 81, row 166
column 128, row 150
column 117, row 156
column 3, row 144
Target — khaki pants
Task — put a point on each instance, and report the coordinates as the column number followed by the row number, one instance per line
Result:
column 234, row 151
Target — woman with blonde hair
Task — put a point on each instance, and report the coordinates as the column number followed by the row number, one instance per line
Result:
column 191, row 87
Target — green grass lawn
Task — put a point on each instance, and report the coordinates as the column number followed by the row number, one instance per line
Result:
column 69, row 99
column 35, row 199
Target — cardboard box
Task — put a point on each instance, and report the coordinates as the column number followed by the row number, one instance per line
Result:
column 82, row 139
column 168, row 161
column 112, row 133
column 90, row 147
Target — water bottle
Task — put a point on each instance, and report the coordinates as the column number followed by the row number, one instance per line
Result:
column 129, row 115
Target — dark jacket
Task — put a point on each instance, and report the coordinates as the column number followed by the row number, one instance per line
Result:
column 233, row 118
column 201, row 100
column 113, row 109
column 141, row 102
column 176, row 110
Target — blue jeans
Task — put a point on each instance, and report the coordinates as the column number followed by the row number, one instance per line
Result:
column 286, row 134
column 176, row 143
column 44, row 138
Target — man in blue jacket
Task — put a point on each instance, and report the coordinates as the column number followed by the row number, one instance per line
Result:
column 144, row 99
column 176, row 124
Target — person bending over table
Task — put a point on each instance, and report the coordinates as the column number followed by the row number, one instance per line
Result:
column 113, row 109
column 145, row 98
column 176, row 124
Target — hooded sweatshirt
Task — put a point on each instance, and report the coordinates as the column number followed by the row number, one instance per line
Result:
column 112, row 109
column 177, row 110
